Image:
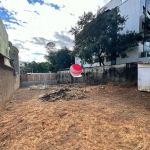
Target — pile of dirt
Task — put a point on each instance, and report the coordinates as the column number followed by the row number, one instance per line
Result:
column 65, row 94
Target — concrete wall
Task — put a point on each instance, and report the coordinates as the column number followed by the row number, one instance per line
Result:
column 13, row 53
column 144, row 77
column 9, row 83
column 4, row 49
column 98, row 75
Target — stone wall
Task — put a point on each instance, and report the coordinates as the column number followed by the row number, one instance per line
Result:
column 100, row 75
column 9, row 83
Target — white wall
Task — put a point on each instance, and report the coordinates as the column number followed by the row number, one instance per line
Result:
column 130, row 8
column 78, row 61
column 113, row 4
column 144, row 77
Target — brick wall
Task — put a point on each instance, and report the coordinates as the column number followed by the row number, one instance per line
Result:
column 9, row 83
column 37, row 78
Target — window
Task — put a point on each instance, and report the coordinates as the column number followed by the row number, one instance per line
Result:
column 147, row 44
column 144, row 10
column 143, row 25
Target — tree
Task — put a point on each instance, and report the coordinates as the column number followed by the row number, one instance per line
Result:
column 60, row 58
column 146, row 31
column 42, row 67
column 25, row 69
column 96, row 35
column 50, row 46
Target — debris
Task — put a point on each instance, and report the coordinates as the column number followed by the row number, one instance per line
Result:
column 33, row 87
column 38, row 87
column 64, row 93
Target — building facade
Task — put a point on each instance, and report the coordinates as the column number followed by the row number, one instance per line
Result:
column 136, row 10
column 8, row 53
column 9, row 79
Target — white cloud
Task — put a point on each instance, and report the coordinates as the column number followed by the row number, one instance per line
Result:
column 45, row 22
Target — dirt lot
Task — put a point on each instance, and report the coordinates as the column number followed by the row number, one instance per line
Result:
column 111, row 117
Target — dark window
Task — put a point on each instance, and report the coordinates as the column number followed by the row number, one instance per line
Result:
column 144, row 10
column 143, row 25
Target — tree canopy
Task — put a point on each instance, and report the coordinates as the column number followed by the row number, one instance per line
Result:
column 42, row 67
column 100, row 34
column 146, row 32
column 59, row 58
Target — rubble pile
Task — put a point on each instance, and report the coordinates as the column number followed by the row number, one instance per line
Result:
column 64, row 94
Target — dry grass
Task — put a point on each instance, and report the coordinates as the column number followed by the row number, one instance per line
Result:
column 112, row 117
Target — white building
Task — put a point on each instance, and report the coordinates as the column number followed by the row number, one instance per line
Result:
column 21, row 64
column 135, row 10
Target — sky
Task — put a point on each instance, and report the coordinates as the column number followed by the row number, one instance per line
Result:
column 31, row 24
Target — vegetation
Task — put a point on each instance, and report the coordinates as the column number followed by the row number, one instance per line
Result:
column 100, row 34
column 59, row 58
column 146, row 32
column 43, row 67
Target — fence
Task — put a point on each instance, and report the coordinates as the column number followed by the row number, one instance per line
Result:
column 97, row 75
column 37, row 78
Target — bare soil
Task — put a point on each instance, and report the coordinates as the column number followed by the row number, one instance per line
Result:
column 111, row 117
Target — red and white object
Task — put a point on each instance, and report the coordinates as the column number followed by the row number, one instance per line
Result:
column 76, row 70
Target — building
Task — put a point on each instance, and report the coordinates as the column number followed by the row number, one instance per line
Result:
column 136, row 10
column 9, row 68
column 13, row 54
column 21, row 64
column 4, row 46
column 8, row 53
